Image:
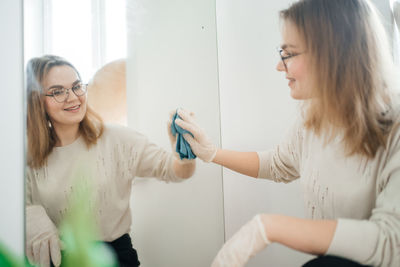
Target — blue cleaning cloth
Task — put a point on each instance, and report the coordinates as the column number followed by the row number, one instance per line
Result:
column 182, row 146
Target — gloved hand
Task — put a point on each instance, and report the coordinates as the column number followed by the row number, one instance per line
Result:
column 201, row 145
column 42, row 241
column 174, row 139
column 245, row 243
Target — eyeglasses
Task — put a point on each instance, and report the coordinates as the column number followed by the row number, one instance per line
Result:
column 60, row 94
column 285, row 55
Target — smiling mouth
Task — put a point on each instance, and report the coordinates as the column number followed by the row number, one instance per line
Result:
column 291, row 80
column 73, row 108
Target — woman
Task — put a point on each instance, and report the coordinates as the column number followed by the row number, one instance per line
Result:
column 65, row 134
column 345, row 146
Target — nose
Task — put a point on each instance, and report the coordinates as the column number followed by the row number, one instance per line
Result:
column 280, row 66
column 71, row 95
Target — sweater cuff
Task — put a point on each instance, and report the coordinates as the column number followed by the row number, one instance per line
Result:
column 264, row 158
column 354, row 239
column 172, row 177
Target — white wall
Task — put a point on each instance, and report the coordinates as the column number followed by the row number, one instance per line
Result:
column 172, row 62
column 256, row 111
column 13, row 125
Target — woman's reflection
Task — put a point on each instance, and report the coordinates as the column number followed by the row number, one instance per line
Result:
column 63, row 133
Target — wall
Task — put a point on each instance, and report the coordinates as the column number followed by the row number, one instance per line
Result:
column 256, row 111
column 172, row 62
column 13, row 127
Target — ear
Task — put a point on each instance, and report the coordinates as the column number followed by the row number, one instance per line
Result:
column 48, row 120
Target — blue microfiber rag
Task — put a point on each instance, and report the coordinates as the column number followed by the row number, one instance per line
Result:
column 182, row 146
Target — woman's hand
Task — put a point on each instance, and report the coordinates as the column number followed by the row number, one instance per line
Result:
column 183, row 168
column 172, row 139
column 200, row 143
column 245, row 243
column 42, row 241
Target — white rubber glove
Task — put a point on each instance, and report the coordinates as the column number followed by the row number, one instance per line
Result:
column 42, row 241
column 201, row 145
column 245, row 243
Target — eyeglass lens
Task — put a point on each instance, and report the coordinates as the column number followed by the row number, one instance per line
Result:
column 61, row 94
column 280, row 51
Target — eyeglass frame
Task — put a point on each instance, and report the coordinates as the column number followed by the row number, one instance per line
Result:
column 83, row 85
column 286, row 57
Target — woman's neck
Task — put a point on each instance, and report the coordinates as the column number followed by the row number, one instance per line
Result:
column 67, row 134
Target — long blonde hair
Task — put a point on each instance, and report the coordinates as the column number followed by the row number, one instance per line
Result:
column 350, row 62
column 41, row 135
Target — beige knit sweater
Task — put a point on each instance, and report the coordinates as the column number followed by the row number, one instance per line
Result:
column 109, row 167
column 363, row 195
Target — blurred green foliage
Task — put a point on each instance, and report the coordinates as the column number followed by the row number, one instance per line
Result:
column 78, row 230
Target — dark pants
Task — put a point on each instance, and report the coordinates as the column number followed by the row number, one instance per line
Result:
column 126, row 254
column 331, row 261
column 122, row 247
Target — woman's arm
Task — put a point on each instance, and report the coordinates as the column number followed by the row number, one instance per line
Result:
column 280, row 164
column 305, row 235
column 246, row 163
column 243, row 162
column 42, row 241
column 308, row 236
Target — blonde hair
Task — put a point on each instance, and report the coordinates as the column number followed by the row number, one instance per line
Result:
column 41, row 135
column 350, row 62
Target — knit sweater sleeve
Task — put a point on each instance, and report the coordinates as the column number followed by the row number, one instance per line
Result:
column 146, row 159
column 282, row 163
column 375, row 241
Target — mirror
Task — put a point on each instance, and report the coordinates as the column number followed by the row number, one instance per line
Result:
column 172, row 62
column 174, row 224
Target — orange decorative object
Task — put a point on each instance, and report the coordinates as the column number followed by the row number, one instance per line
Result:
column 107, row 92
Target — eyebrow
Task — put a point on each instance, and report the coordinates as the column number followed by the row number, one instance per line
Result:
column 60, row 86
column 284, row 46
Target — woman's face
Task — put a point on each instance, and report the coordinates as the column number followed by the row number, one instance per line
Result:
column 70, row 112
column 297, row 70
